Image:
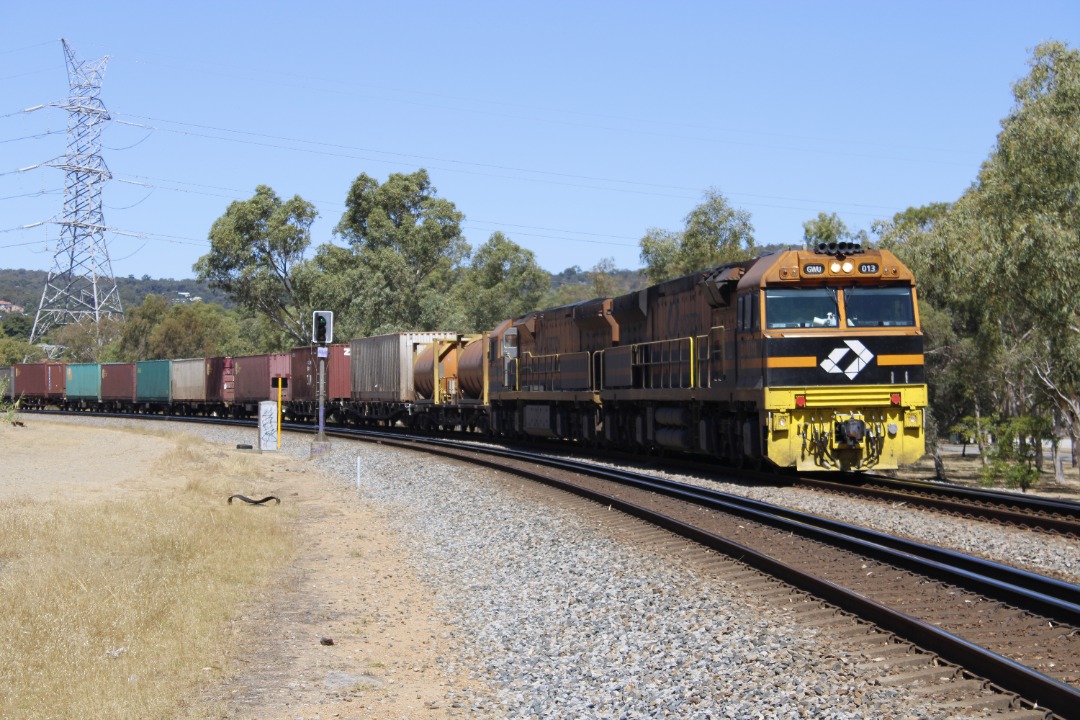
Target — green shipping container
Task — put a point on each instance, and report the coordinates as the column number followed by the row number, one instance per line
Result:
column 84, row 381
column 153, row 381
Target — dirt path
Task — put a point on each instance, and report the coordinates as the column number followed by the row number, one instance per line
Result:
column 344, row 631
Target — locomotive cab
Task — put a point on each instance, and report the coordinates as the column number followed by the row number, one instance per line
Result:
column 844, row 381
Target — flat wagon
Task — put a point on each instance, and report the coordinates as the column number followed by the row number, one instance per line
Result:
column 382, row 384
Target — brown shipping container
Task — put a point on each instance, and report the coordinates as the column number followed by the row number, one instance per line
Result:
column 305, row 373
column 118, row 381
column 254, row 376
column 189, row 380
column 382, row 367
column 39, row 380
column 220, row 380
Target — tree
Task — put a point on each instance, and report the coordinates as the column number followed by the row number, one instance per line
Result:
column 409, row 247
column 830, row 229
column 18, row 326
column 1003, row 262
column 714, row 233
column 139, row 325
column 16, row 350
column 502, row 281
column 1027, row 248
column 602, row 277
column 255, row 250
column 88, row 341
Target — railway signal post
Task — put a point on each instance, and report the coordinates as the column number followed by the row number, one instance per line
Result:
column 322, row 334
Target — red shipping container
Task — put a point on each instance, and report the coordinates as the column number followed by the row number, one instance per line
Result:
column 118, row 382
column 38, row 380
column 220, row 380
column 305, row 373
column 254, row 378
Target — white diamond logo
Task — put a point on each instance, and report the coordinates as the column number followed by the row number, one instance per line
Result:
column 863, row 357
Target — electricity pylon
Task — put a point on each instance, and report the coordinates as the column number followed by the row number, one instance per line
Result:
column 80, row 286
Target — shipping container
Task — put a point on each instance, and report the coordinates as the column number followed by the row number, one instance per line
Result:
column 220, row 380
column 118, row 382
column 153, row 381
column 382, row 367
column 83, row 382
column 304, row 382
column 255, row 378
column 188, row 381
column 38, row 383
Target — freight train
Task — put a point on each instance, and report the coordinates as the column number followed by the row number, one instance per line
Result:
column 805, row 359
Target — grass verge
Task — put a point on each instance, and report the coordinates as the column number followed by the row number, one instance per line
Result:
column 113, row 608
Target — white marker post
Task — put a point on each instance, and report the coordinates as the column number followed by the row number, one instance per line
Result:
column 268, row 426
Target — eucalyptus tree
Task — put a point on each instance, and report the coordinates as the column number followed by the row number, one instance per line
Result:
column 503, row 280
column 714, row 233
column 256, row 248
column 408, row 244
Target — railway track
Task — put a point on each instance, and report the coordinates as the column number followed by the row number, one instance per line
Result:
column 1060, row 517
column 1016, row 630
column 1011, row 629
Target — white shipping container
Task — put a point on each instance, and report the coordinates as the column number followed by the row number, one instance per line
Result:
column 382, row 367
column 189, row 380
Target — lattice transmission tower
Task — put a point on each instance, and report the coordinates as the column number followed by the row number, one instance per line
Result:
column 80, row 287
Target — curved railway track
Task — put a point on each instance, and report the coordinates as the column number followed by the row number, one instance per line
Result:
column 1018, row 630
column 1049, row 515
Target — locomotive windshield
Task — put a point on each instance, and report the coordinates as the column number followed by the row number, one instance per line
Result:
column 800, row 307
column 879, row 307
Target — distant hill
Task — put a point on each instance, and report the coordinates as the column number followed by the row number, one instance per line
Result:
column 23, row 287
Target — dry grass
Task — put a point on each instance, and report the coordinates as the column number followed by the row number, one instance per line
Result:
column 112, row 609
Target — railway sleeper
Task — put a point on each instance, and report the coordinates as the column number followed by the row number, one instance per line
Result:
column 932, row 675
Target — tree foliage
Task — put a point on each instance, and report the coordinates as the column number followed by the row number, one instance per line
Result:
column 829, row 229
column 409, row 250
column 714, row 233
column 1002, row 264
column 502, row 281
column 255, row 250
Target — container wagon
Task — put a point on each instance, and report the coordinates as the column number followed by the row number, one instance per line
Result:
column 256, row 378
column 153, row 386
column 38, row 384
column 118, row 385
column 82, row 386
column 304, row 380
column 382, row 388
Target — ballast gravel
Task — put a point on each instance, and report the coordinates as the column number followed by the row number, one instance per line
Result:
column 560, row 621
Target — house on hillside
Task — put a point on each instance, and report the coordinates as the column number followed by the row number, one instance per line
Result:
column 7, row 306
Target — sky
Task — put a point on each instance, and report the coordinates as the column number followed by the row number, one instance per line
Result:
column 571, row 127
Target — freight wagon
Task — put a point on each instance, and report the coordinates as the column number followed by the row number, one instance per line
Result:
column 257, row 378
column 83, row 386
column 153, row 386
column 117, row 385
column 304, row 380
column 382, row 388
column 37, row 384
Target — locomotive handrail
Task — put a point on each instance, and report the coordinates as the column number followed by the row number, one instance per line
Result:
column 666, row 363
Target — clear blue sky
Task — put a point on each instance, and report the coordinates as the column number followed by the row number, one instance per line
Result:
column 572, row 127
